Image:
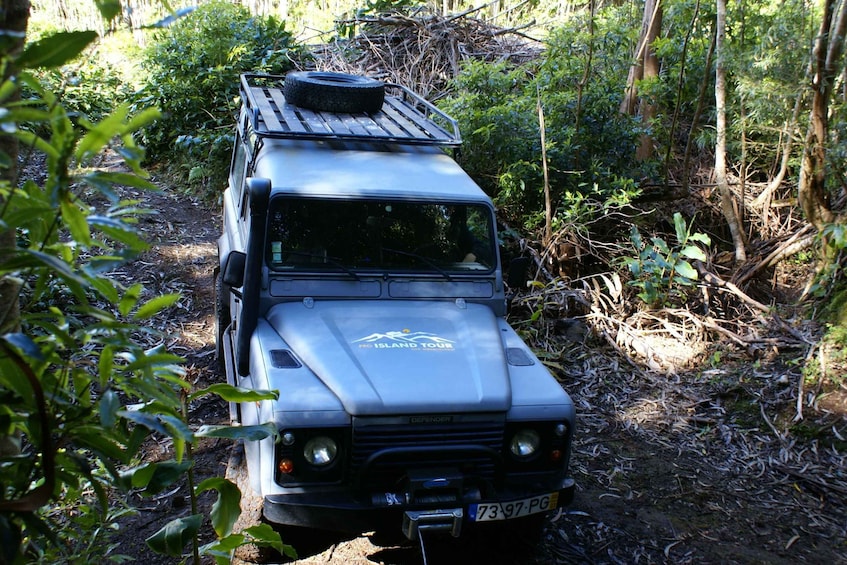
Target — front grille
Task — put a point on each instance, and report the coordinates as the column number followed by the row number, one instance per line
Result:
column 392, row 448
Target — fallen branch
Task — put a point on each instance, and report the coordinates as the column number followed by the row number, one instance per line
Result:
column 797, row 242
column 716, row 281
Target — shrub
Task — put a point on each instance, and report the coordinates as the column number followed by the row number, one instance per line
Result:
column 590, row 145
column 88, row 88
column 194, row 69
column 662, row 272
column 78, row 392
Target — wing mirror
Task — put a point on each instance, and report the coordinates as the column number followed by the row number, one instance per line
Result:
column 233, row 274
column 517, row 276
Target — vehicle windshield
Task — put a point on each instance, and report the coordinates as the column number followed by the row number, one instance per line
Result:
column 381, row 235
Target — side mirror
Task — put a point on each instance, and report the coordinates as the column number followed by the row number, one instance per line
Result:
column 233, row 274
column 517, row 276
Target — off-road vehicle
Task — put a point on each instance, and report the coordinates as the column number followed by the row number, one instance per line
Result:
column 360, row 277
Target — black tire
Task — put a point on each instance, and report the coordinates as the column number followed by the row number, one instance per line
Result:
column 222, row 320
column 251, row 508
column 334, row 92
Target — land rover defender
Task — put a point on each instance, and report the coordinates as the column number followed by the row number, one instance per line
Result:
column 359, row 275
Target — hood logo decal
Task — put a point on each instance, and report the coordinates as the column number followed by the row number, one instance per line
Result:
column 405, row 339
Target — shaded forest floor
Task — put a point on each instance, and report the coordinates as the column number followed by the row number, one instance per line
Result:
column 703, row 465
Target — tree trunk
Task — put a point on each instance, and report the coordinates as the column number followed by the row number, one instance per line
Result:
column 695, row 119
column 647, row 109
column 636, row 70
column 586, row 74
column 729, row 207
column 679, row 88
column 14, row 16
column 829, row 45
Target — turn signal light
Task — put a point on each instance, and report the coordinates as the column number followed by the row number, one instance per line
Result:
column 286, row 466
column 556, row 455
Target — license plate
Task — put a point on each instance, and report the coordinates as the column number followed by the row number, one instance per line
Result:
column 489, row 512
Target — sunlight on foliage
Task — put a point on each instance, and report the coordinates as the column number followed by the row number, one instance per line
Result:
column 80, row 393
column 193, row 77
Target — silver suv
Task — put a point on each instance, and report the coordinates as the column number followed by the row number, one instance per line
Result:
column 360, row 277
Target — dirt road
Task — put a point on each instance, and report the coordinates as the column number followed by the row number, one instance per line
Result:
column 692, row 468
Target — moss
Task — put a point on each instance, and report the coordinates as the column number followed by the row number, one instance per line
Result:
column 817, row 431
column 836, row 311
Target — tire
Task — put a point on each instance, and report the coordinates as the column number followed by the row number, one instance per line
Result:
column 251, row 508
column 222, row 321
column 334, row 92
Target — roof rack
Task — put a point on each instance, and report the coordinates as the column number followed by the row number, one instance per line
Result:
column 405, row 118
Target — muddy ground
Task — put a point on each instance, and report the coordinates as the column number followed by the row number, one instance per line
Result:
column 689, row 468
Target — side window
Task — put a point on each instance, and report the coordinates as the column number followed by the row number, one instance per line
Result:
column 239, row 164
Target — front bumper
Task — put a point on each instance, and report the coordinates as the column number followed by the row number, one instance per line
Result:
column 342, row 511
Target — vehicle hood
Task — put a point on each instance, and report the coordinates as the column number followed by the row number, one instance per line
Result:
column 382, row 358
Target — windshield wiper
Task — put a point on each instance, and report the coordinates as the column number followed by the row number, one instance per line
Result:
column 334, row 261
column 425, row 260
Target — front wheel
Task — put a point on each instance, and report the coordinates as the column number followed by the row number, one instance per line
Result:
column 251, row 507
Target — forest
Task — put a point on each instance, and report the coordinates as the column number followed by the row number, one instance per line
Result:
column 674, row 169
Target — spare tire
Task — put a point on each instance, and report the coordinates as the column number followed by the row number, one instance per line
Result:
column 334, row 92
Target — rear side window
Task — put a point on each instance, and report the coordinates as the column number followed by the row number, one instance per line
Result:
column 239, row 164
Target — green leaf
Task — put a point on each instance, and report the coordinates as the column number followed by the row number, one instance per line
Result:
column 99, row 135
column 8, row 88
column 221, row 549
column 693, row 252
column 55, row 50
column 179, row 429
column 154, row 477
column 106, row 288
column 130, row 299
column 174, row 536
column 226, row 508
column 25, row 344
column 685, row 269
column 660, row 244
column 248, row 433
column 76, row 222
column 264, row 535
column 31, row 257
column 232, row 393
column 105, row 181
column 143, row 119
column 150, row 421
column 680, row 227
column 701, row 237
column 154, row 358
column 109, row 406
column 93, row 438
column 156, row 305
column 106, row 366
column 635, row 237
column 119, row 231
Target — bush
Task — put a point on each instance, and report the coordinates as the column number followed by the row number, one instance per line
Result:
column 590, row 145
column 194, row 69
column 88, row 89
column 79, row 393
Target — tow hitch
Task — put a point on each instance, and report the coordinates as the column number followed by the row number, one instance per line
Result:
column 417, row 521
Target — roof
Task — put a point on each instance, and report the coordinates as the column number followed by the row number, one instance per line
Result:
column 309, row 168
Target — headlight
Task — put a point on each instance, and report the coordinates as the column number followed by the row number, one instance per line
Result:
column 525, row 443
column 320, row 451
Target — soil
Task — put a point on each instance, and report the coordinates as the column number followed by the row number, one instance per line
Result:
column 663, row 475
